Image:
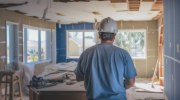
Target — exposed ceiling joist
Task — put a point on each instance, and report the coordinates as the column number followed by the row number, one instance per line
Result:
column 117, row 1
column 127, row 4
column 71, row 0
column 147, row 0
column 157, row 5
column 140, row 4
column 158, row 15
column 134, row 5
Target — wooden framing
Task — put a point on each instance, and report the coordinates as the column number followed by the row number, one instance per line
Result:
column 117, row 1
column 134, row 5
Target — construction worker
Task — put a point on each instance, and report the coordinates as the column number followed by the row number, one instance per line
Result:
column 103, row 66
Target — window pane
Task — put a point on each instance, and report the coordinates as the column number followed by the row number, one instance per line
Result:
column 89, row 39
column 122, row 40
column 32, row 45
column 75, row 44
column 137, row 44
column 43, row 45
column 8, row 44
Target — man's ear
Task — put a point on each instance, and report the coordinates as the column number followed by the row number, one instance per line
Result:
column 114, row 36
column 99, row 35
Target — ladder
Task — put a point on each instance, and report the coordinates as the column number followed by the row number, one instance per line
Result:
column 159, row 60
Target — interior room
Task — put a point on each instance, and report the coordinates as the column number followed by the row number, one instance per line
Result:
column 41, row 42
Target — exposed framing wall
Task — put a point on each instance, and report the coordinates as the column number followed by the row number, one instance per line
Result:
column 144, row 67
column 21, row 19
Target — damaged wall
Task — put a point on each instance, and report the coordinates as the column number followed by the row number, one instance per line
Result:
column 144, row 67
column 21, row 19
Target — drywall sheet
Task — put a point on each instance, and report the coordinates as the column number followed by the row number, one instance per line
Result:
column 171, row 30
column 61, row 38
column 176, row 28
column 166, row 77
column 141, row 68
column 166, row 28
column 171, row 79
column 151, row 64
column 171, row 41
column 177, row 81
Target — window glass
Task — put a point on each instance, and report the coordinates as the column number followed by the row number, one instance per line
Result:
column 137, row 44
column 89, row 39
column 8, row 44
column 75, row 44
column 32, row 45
column 122, row 40
column 43, row 45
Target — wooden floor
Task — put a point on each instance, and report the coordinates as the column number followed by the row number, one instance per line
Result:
column 132, row 94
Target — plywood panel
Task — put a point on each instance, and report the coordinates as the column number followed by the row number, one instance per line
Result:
column 152, row 24
column 119, row 24
column 152, row 42
column 152, row 53
column 127, row 24
column 151, row 63
column 53, row 25
column 25, row 20
column 141, row 68
column 139, row 25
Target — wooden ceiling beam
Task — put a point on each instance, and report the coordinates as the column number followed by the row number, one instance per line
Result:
column 140, row 4
column 117, row 1
column 127, row 4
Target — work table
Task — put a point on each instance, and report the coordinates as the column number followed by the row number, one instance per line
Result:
column 59, row 92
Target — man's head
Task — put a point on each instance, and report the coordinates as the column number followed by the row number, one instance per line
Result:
column 107, row 30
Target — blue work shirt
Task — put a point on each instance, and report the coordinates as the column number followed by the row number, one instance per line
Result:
column 103, row 67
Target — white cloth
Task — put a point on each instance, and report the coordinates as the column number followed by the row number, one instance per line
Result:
column 56, row 67
column 26, row 73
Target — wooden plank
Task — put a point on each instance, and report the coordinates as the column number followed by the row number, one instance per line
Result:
column 140, row 4
column 19, row 85
column 127, row 4
column 12, row 88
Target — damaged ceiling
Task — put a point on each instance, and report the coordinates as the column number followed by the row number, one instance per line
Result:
column 74, row 11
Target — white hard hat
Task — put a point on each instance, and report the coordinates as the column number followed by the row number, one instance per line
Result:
column 108, row 25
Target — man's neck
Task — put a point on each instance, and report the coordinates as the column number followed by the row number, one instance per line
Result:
column 108, row 41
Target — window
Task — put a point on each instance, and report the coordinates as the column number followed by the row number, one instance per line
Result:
column 12, row 54
column 9, row 43
column 133, row 41
column 32, row 45
column 36, row 43
column 78, row 41
column 43, row 45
